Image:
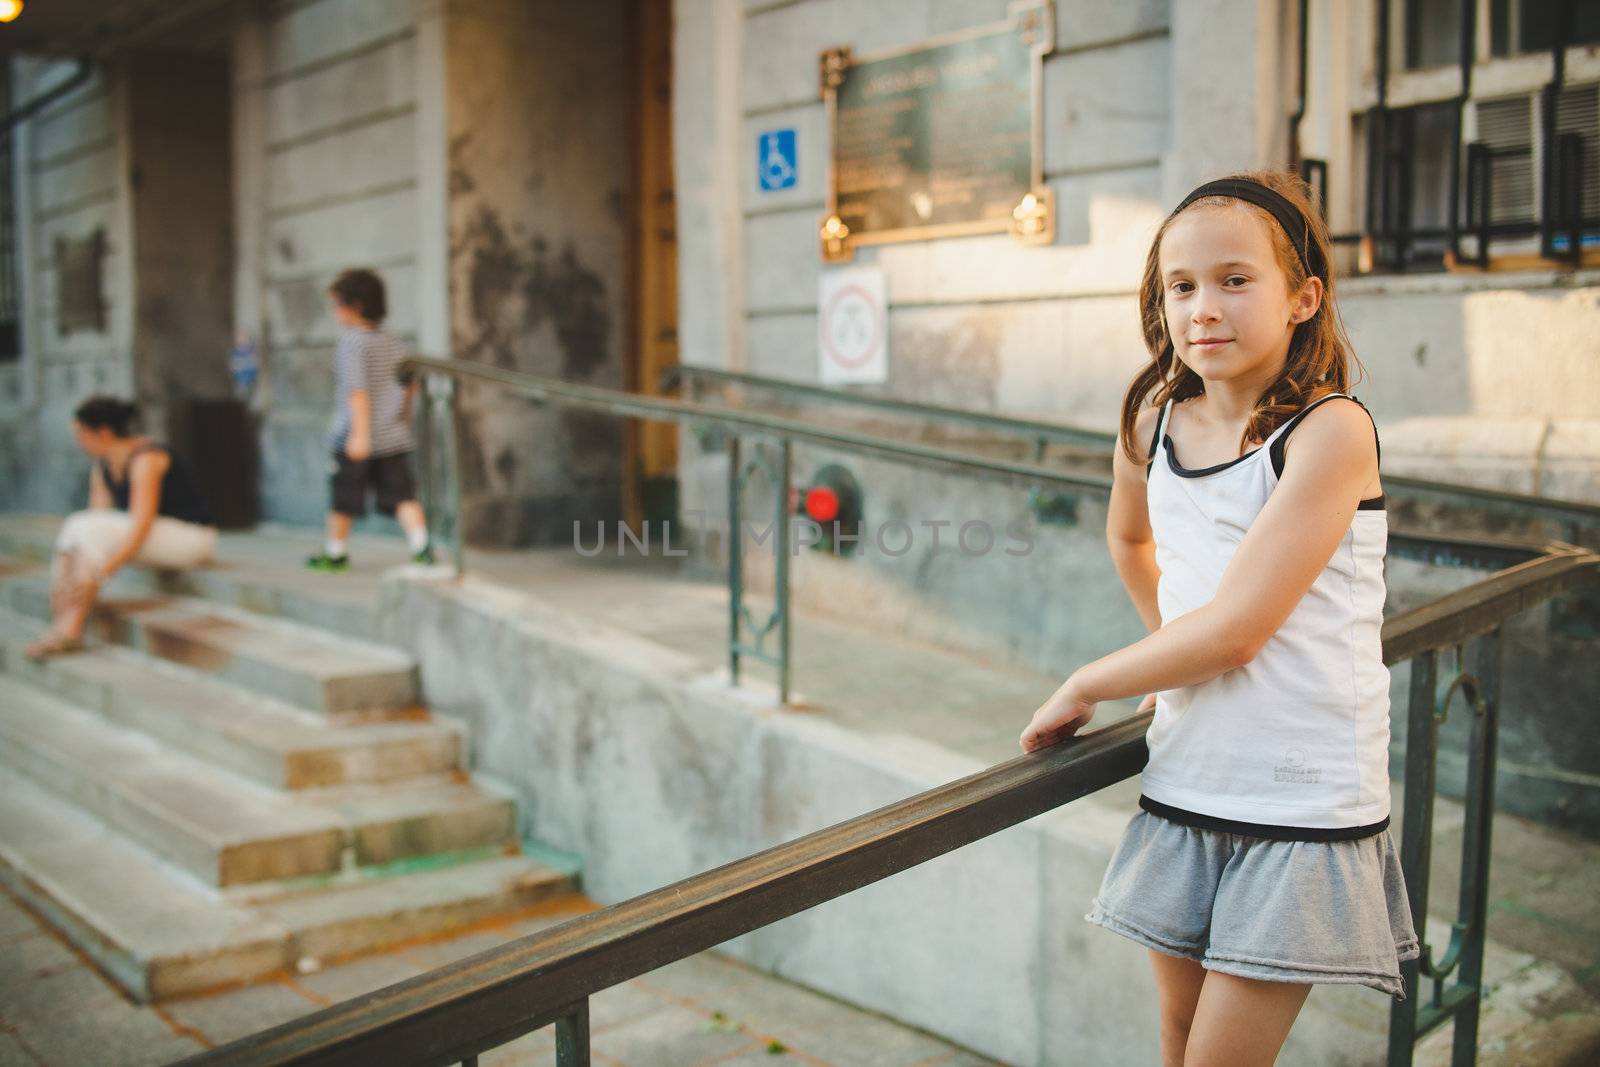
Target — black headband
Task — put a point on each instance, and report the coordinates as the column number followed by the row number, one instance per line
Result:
column 1277, row 205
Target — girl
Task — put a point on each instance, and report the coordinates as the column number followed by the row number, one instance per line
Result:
column 143, row 508
column 1247, row 523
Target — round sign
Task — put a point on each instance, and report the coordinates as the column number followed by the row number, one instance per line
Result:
column 852, row 327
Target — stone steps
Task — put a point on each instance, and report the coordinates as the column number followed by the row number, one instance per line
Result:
column 280, row 586
column 277, row 658
column 227, row 831
column 253, row 736
column 160, row 934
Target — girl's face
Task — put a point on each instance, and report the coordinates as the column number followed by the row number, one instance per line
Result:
column 1229, row 310
column 95, row 442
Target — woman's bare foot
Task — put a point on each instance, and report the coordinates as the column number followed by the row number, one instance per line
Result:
column 53, row 643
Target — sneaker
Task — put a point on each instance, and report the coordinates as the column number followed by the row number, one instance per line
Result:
column 424, row 556
column 330, row 564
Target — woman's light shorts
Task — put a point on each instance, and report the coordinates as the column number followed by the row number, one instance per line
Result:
column 1284, row 911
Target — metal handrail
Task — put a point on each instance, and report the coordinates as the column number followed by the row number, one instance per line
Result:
column 749, row 638
column 639, row 405
column 1553, row 509
column 1031, row 428
column 464, row 1008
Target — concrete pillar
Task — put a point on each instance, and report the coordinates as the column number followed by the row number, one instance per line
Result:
column 706, row 120
column 249, row 190
column 433, row 205
column 1230, row 103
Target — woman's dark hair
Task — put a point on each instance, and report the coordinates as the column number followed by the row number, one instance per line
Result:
column 361, row 291
column 107, row 412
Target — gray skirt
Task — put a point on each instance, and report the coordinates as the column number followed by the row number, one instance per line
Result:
column 1284, row 911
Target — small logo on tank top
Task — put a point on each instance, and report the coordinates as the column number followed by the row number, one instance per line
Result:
column 1293, row 769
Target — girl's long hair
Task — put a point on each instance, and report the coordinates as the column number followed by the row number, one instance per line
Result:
column 1319, row 356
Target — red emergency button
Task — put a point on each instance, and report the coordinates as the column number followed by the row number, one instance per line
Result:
column 822, row 504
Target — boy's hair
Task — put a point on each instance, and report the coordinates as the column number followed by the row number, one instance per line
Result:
column 107, row 412
column 1319, row 351
column 361, row 291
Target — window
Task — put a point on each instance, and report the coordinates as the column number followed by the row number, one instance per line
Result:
column 1450, row 178
column 1518, row 26
column 1433, row 33
column 1415, row 181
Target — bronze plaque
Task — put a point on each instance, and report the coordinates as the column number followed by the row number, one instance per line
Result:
column 940, row 139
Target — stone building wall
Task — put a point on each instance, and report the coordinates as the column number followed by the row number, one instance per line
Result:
column 541, row 164
column 327, row 177
column 70, row 192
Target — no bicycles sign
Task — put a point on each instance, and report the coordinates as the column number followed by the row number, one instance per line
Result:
column 852, row 326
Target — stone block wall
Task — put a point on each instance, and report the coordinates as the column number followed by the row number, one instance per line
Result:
column 326, row 155
column 70, row 190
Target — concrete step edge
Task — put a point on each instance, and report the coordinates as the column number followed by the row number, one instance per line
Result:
column 159, row 934
column 154, row 795
column 311, row 668
column 119, row 776
column 249, row 734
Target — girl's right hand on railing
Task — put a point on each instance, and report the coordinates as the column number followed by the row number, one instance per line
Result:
column 1146, row 704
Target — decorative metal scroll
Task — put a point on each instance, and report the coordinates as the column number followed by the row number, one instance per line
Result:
column 1477, row 681
column 941, row 139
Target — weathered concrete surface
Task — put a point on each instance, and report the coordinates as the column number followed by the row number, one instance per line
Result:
column 69, row 190
column 254, row 736
column 704, row 1010
column 282, row 660
column 161, row 934
column 227, row 832
column 541, row 163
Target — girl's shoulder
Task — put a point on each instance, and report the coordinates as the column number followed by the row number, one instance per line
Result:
column 1144, row 442
column 1338, row 427
column 1331, row 408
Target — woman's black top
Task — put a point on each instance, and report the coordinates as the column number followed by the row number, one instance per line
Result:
column 179, row 498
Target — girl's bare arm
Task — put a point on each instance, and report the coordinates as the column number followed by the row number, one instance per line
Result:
column 99, row 495
column 1332, row 459
column 1128, row 535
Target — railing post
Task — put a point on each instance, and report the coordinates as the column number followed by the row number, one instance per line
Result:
column 440, row 466
column 735, row 555
column 572, row 1037
column 1473, row 906
column 1416, row 843
column 776, row 463
column 785, row 523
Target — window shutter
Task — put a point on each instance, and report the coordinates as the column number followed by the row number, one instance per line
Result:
column 1578, row 111
column 1508, row 123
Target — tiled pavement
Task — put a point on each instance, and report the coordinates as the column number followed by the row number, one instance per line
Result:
column 57, row 1011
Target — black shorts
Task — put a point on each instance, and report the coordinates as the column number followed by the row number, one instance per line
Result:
column 389, row 476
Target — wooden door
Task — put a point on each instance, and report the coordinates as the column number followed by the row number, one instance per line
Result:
column 652, row 446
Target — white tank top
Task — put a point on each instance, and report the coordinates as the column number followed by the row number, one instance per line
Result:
column 1293, row 745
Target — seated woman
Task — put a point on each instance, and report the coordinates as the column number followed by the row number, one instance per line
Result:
column 143, row 508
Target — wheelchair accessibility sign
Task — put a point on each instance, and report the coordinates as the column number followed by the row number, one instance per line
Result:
column 775, row 160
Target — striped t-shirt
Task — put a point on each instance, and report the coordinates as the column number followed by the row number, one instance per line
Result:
column 369, row 360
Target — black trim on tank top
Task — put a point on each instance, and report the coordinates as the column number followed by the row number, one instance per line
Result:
column 1279, row 445
column 1155, row 441
column 1184, row 472
column 1266, row 831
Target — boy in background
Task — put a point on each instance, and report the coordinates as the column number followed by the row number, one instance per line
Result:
column 371, row 432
